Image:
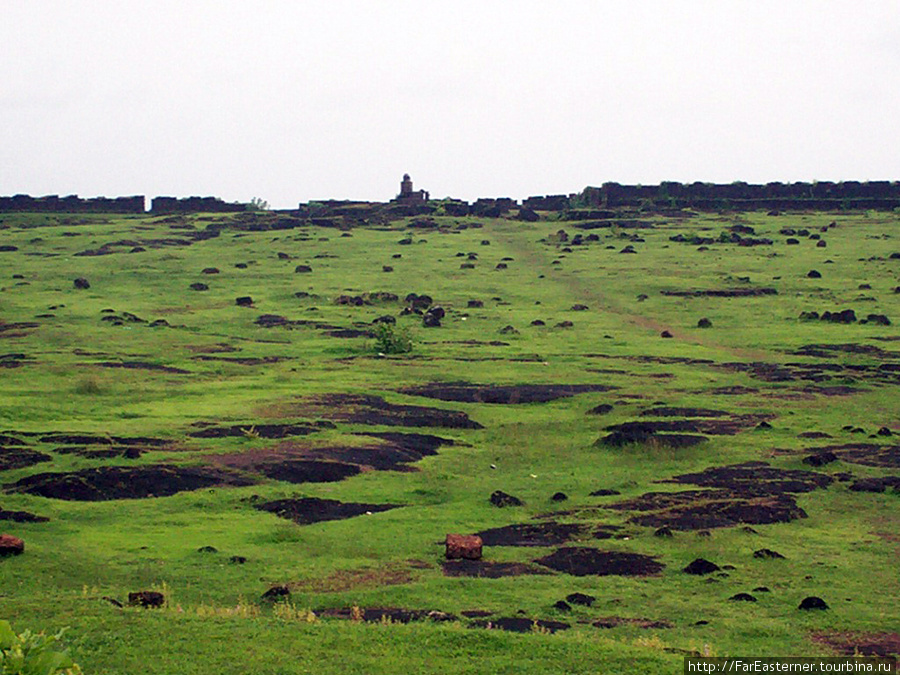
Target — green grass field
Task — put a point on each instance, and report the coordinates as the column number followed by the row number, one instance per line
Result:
column 91, row 362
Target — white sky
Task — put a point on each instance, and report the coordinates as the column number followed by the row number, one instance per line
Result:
column 315, row 99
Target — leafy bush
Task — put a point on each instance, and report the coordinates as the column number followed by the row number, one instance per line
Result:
column 33, row 654
column 390, row 339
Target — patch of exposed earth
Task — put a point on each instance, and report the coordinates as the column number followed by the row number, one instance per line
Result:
column 584, row 561
column 466, row 392
column 370, row 410
column 752, row 493
column 543, row 534
column 117, row 482
column 866, row 644
column 307, row 510
column 486, row 569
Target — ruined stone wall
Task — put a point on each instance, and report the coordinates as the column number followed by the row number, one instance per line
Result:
column 745, row 196
column 72, row 204
column 194, row 205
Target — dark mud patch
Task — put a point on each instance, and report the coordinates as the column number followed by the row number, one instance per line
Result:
column 466, row 392
column 251, row 430
column 735, row 390
column 484, row 569
column 581, row 561
column 17, row 329
column 827, row 351
column 140, row 365
column 728, row 426
column 384, row 614
column 106, row 452
column 864, row 374
column 709, row 509
column 95, row 439
column 683, row 412
column 543, row 534
column 244, row 360
column 321, row 462
column 19, row 458
column 116, row 482
column 308, row 510
column 867, row 454
column 866, row 644
column 519, row 624
column 616, row 621
column 21, row 517
column 374, row 410
column 424, row 444
column 363, row 577
column 755, row 478
column 307, row 471
column 722, row 293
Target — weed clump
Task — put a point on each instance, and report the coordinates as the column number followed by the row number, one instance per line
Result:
column 390, row 339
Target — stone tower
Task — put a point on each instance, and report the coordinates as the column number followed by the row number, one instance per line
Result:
column 406, row 187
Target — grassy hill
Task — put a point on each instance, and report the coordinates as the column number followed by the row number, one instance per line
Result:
column 156, row 435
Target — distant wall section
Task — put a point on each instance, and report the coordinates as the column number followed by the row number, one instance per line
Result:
column 73, row 204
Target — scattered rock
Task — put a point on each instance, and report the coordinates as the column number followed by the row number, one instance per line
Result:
column 767, row 554
column 277, row 593
column 462, row 547
column 199, row 287
column 244, row 301
column 581, row 599
column 559, row 497
column 701, row 566
column 704, row 323
column 502, row 499
column 812, row 602
column 146, row 599
column 81, row 283
column 302, row 269
column 814, row 274
column 10, row 545
column 742, row 597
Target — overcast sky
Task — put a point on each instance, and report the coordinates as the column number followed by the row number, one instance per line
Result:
column 315, row 99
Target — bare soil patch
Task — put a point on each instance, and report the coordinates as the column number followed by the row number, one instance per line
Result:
column 488, row 570
column 616, row 621
column 385, row 614
column 867, row 644
column 141, row 365
column 709, row 509
column 582, row 561
column 755, row 478
column 867, row 454
column 723, row 293
column 117, row 482
column 548, row 533
column 365, row 577
column 683, row 412
column 466, row 392
column 21, row 517
column 519, row 624
column 19, row 458
column 252, row 430
column 307, row 510
column 372, row 410
column 752, row 493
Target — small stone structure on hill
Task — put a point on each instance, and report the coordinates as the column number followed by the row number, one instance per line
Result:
column 408, row 195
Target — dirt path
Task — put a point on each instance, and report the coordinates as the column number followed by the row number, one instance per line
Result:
column 531, row 254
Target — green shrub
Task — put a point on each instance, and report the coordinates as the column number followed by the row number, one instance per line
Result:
column 390, row 339
column 33, row 654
